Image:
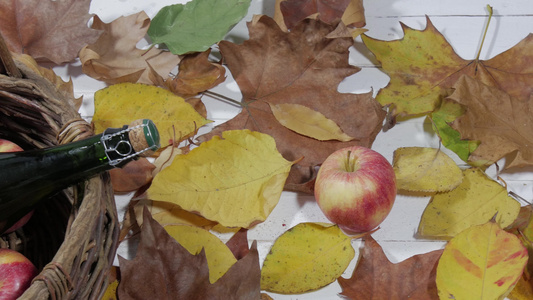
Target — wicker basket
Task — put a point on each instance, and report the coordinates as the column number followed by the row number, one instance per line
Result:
column 71, row 238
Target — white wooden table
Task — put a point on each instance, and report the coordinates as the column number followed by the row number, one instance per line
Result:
column 461, row 22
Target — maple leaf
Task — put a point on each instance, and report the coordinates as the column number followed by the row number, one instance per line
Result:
column 50, row 30
column 375, row 277
column 501, row 122
column 351, row 12
column 303, row 66
column 169, row 271
column 423, row 65
column 115, row 58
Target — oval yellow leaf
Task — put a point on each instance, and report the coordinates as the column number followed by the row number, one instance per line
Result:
column 236, row 179
column 122, row 103
column 308, row 122
column 475, row 201
column 194, row 239
column 305, row 258
column 482, row 262
column 425, row 170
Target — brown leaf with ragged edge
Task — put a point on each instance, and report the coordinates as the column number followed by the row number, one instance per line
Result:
column 423, row 66
column 163, row 269
column 115, row 58
column 501, row 122
column 196, row 74
column 47, row 30
column 132, row 176
column 304, row 66
column 351, row 12
column 375, row 277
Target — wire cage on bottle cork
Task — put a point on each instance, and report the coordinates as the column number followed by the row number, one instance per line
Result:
column 72, row 237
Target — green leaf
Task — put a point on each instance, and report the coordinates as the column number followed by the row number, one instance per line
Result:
column 196, row 25
column 451, row 138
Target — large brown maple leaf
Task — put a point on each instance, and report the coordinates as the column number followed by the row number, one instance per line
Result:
column 163, row 269
column 375, row 277
column 501, row 122
column 305, row 67
column 49, row 30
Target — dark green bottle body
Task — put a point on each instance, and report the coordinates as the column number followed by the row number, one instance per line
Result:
column 29, row 177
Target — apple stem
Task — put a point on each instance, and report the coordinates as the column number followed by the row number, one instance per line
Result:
column 350, row 164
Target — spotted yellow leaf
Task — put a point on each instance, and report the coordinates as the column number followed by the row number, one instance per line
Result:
column 305, row 258
column 120, row 104
column 236, row 179
column 475, row 201
column 481, row 262
column 194, row 239
column 425, row 170
column 308, row 122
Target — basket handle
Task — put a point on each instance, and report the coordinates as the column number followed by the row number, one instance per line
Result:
column 8, row 65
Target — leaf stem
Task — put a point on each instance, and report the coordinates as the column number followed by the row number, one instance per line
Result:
column 219, row 96
column 489, row 8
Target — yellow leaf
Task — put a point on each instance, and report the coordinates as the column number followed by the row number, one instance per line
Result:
column 475, row 201
column 425, row 170
column 305, row 258
column 122, row 103
column 308, row 122
column 165, row 159
column 482, row 262
column 111, row 291
column 522, row 290
column 194, row 239
column 236, row 179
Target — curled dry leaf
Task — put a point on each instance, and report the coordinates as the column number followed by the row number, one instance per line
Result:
column 375, row 277
column 132, row 176
column 115, row 58
column 47, row 30
column 196, row 74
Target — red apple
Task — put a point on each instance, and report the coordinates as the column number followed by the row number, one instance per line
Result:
column 355, row 188
column 16, row 274
column 9, row 146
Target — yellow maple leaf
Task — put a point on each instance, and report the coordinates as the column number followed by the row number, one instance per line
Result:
column 305, row 258
column 425, row 170
column 122, row 103
column 308, row 122
column 236, row 179
column 219, row 256
column 481, row 262
column 475, row 201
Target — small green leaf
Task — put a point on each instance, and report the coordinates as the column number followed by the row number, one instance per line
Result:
column 196, row 25
column 451, row 138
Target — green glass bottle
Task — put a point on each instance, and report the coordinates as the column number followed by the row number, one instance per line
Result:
column 28, row 177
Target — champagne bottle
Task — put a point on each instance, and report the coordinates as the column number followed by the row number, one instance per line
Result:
column 29, row 177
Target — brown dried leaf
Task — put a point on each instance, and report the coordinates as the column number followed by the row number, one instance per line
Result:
column 132, row 176
column 169, row 271
column 501, row 122
column 49, row 30
column 351, row 12
column 115, row 58
column 303, row 67
column 375, row 277
column 196, row 74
